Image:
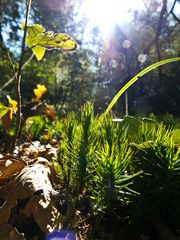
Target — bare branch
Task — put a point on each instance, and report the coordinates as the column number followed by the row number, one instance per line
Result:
column 175, row 17
column 159, row 26
column 18, row 76
column 172, row 12
column 14, row 77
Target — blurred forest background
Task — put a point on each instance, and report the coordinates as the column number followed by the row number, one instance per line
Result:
column 104, row 60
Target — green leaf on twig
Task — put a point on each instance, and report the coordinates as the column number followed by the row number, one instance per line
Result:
column 40, row 40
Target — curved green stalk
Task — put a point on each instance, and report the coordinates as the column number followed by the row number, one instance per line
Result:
column 135, row 78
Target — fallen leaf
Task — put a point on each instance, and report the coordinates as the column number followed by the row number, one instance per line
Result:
column 33, row 185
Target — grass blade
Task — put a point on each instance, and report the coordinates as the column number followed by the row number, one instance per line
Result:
column 135, row 78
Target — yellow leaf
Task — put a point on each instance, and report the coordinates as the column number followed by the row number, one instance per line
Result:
column 39, row 52
column 39, row 40
column 61, row 41
column 3, row 109
column 12, row 103
column 39, row 91
column 7, row 116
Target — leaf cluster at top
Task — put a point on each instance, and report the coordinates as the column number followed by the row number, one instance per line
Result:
column 40, row 40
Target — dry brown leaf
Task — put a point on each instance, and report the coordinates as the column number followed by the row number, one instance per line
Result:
column 42, row 205
column 8, row 232
column 9, row 167
column 33, row 183
column 6, row 120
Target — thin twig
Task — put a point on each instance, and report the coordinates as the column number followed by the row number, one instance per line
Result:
column 14, row 77
column 175, row 17
column 159, row 27
column 18, row 77
column 10, row 60
column 172, row 12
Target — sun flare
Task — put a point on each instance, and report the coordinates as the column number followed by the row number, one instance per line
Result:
column 106, row 13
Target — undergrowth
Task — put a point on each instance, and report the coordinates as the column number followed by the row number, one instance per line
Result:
column 118, row 177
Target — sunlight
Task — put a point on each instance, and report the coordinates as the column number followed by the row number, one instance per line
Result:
column 106, row 13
